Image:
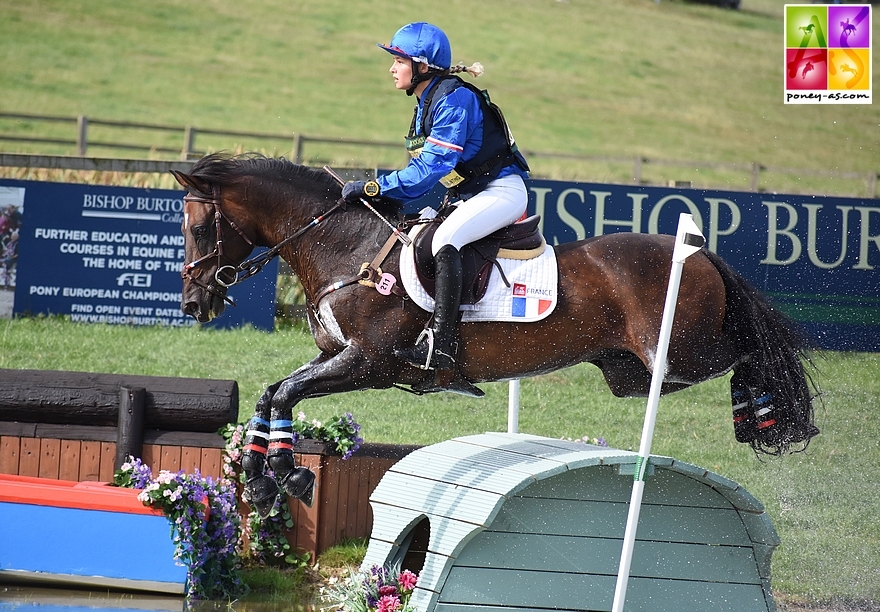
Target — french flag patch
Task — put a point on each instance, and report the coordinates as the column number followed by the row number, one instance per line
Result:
column 523, row 304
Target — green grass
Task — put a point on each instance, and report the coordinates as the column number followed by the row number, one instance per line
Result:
column 350, row 552
column 824, row 502
column 673, row 79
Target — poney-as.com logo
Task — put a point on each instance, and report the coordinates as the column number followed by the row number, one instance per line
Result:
column 828, row 54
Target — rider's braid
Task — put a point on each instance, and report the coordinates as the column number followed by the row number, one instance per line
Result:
column 475, row 69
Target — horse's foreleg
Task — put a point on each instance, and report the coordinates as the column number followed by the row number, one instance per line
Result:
column 298, row 482
column 260, row 489
column 321, row 376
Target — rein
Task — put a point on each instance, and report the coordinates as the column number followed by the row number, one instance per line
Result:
column 369, row 274
column 245, row 269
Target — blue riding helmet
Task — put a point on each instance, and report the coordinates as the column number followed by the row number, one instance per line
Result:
column 424, row 43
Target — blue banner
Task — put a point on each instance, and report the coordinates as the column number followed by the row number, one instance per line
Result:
column 815, row 257
column 112, row 255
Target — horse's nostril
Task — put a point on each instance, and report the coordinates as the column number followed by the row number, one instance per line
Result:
column 190, row 308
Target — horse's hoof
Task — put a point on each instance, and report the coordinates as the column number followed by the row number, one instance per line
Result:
column 300, row 484
column 261, row 493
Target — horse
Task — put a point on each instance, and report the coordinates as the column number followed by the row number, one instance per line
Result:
column 611, row 292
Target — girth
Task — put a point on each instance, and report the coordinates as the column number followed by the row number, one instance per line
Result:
column 522, row 240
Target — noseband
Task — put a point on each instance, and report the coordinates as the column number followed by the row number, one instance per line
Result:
column 247, row 268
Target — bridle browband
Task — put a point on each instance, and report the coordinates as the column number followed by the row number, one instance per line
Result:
column 247, row 268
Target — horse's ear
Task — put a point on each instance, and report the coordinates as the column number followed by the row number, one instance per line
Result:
column 191, row 183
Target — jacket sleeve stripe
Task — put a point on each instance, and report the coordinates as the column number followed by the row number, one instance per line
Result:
column 447, row 145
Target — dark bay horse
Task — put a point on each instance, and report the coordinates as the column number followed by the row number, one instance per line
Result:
column 611, row 295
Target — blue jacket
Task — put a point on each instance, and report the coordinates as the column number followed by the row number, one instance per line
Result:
column 456, row 134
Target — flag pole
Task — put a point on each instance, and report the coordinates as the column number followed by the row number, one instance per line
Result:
column 688, row 240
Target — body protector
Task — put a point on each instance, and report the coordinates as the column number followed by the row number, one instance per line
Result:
column 497, row 151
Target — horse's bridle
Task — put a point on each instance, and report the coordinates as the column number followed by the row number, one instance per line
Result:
column 247, row 268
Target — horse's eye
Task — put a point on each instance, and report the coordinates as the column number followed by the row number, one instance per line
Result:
column 199, row 232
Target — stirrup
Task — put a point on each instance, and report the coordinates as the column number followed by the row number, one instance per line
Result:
column 411, row 355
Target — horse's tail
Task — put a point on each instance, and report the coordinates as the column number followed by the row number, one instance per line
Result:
column 771, row 390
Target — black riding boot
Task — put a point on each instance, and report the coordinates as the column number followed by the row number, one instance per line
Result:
column 435, row 347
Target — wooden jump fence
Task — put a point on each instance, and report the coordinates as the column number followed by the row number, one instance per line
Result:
column 80, row 426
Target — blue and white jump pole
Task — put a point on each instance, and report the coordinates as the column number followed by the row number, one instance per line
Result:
column 688, row 240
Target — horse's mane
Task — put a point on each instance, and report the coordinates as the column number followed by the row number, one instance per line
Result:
column 225, row 168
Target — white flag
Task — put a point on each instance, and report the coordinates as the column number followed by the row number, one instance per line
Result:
column 688, row 240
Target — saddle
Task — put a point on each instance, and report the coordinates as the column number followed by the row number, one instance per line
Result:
column 522, row 240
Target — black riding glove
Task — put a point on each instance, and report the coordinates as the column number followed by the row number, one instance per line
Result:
column 353, row 191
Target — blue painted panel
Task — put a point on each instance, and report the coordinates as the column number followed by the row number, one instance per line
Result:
column 87, row 543
column 113, row 255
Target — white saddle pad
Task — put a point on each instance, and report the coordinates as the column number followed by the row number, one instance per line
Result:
column 531, row 296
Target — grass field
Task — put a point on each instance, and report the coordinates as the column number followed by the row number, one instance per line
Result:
column 824, row 502
column 670, row 79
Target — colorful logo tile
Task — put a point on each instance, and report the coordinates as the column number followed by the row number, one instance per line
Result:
column 828, row 54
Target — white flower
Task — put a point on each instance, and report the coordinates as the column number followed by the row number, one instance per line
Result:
column 165, row 477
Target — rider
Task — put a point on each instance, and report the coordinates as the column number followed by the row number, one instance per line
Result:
column 463, row 142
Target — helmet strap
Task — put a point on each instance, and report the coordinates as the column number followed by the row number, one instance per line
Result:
column 418, row 76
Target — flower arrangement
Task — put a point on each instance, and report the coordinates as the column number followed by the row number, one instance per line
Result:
column 267, row 543
column 340, row 430
column 204, row 524
column 380, row 589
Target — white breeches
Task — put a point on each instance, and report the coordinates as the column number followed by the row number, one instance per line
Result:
column 501, row 203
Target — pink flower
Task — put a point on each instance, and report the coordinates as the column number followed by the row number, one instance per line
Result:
column 388, row 603
column 407, row 580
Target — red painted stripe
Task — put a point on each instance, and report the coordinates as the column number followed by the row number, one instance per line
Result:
column 258, row 449
column 737, row 419
column 766, row 424
column 68, row 494
column 286, row 445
